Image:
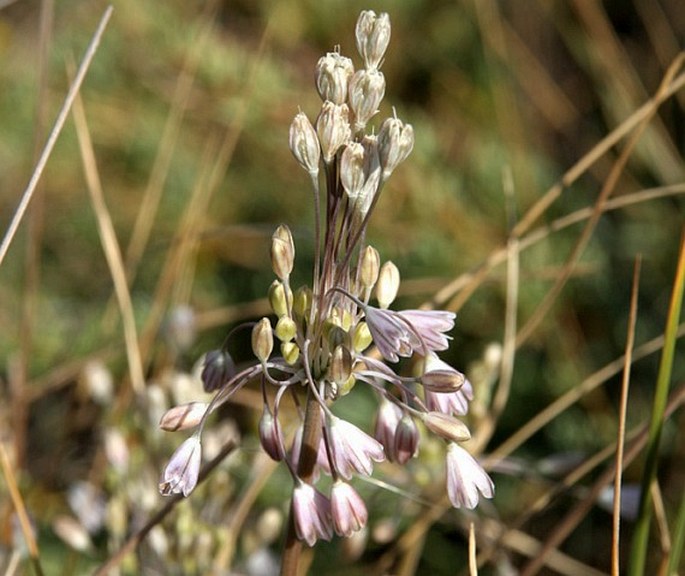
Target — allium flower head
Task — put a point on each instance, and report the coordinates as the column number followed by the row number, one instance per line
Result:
column 330, row 339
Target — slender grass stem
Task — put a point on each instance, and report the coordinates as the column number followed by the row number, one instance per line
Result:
column 638, row 555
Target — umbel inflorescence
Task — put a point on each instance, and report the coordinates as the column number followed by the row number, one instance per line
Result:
column 330, row 337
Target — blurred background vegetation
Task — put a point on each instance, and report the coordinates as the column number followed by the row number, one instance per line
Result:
column 188, row 107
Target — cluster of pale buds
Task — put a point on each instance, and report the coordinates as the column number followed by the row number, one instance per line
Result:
column 325, row 333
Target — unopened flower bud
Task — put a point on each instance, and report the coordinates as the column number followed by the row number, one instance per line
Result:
column 218, row 369
column 290, row 352
column 333, row 72
column 282, row 252
column 270, row 435
column 277, row 298
column 367, row 88
column 262, row 340
column 302, row 302
column 286, row 329
column 406, row 440
column 346, row 387
column 373, row 36
column 446, row 426
column 340, row 368
column 443, row 380
column 395, row 143
column 369, row 268
column 372, row 173
column 361, row 338
column 183, row 417
column 352, row 174
column 335, row 334
column 304, row 143
column 388, row 284
column 333, row 128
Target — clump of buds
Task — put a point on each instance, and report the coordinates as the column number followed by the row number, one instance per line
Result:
column 324, row 332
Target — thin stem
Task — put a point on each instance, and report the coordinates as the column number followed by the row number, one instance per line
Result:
column 52, row 139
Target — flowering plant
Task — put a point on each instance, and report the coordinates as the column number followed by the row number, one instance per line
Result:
column 323, row 340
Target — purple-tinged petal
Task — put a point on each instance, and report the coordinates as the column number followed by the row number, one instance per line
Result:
column 180, row 475
column 348, row 509
column 351, row 449
column 312, row 514
column 466, row 479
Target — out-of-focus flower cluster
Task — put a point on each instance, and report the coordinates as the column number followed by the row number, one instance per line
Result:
column 322, row 339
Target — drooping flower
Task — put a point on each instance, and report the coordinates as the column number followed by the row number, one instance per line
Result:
column 387, row 419
column 466, row 479
column 351, row 449
column 312, row 514
column 406, row 440
column 390, row 335
column 347, row 508
column 180, row 475
column 431, row 326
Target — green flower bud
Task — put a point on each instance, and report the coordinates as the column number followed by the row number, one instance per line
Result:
column 290, row 352
column 262, row 340
column 302, row 302
column 346, row 387
column 361, row 338
column 277, row 299
column 286, row 329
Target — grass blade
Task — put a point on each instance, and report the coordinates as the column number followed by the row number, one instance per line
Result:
column 638, row 553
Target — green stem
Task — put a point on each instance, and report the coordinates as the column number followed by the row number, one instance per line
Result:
column 638, row 553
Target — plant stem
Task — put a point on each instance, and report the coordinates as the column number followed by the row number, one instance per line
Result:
column 292, row 548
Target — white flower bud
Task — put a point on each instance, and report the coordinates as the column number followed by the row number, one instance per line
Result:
column 304, row 143
column 369, row 268
column 352, row 169
column 333, row 128
column 373, row 36
column 333, row 72
column 372, row 172
column 395, row 143
column 262, row 340
column 388, row 284
column 446, row 426
column 282, row 252
column 367, row 88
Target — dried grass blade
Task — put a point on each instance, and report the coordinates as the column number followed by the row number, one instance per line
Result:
column 110, row 246
column 630, row 343
column 54, row 134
